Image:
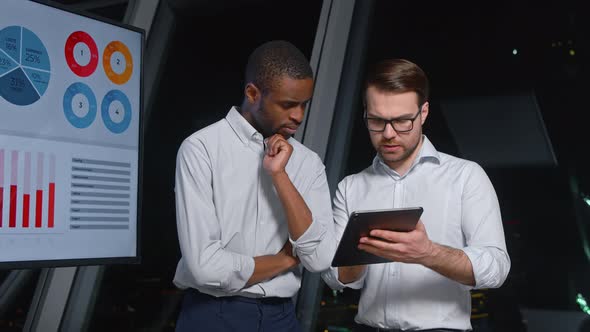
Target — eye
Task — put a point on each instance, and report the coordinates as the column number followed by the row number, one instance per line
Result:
column 288, row 105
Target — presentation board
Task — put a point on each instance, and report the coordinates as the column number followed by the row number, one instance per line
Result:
column 70, row 137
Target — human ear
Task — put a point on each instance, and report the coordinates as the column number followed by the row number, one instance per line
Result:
column 252, row 93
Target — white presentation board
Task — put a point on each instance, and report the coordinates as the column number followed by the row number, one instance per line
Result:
column 70, row 115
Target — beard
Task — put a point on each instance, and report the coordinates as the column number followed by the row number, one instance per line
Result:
column 267, row 129
column 404, row 154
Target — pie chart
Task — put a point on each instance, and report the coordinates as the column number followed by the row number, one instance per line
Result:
column 79, row 104
column 117, row 62
column 24, row 66
column 116, row 111
column 81, row 54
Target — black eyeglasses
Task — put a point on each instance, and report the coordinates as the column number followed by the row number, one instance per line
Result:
column 399, row 125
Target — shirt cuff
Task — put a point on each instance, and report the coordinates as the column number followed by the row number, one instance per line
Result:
column 307, row 243
column 243, row 268
column 481, row 264
column 331, row 278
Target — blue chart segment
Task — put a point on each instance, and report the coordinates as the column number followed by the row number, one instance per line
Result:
column 34, row 53
column 10, row 39
column 6, row 63
column 79, row 105
column 24, row 66
column 16, row 88
column 116, row 111
column 40, row 79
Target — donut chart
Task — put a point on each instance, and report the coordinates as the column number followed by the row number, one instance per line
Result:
column 81, row 53
column 79, row 104
column 25, row 69
column 117, row 62
column 116, row 111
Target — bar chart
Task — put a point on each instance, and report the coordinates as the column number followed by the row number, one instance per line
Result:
column 27, row 191
column 56, row 196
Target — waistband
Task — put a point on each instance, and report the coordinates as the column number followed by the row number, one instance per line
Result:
column 366, row 328
column 258, row 300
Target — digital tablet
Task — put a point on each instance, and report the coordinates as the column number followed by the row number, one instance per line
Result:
column 361, row 223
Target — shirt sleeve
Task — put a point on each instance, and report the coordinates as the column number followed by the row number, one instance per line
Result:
column 483, row 231
column 207, row 264
column 341, row 214
column 316, row 246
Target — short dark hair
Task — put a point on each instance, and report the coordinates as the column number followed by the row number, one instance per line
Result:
column 398, row 76
column 274, row 59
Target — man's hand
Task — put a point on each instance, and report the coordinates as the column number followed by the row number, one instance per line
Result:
column 416, row 247
column 277, row 154
column 406, row 247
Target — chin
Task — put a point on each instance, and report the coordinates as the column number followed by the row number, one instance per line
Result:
column 286, row 136
column 391, row 158
column 284, row 133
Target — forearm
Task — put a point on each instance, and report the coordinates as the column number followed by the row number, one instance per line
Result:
column 451, row 263
column 298, row 215
column 348, row 274
column 269, row 266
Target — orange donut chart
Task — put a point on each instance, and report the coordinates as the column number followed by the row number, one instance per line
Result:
column 112, row 47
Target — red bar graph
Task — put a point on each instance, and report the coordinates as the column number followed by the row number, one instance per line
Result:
column 1, row 204
column 39, row 192
column 39, row 209
column 51, row 207
column 30, row 194
column 12, row 215
column 26, row 209
column 1, row 185
column 13, row 190
column 27, row 191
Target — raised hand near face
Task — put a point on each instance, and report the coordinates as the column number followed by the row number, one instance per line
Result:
column 277, row 154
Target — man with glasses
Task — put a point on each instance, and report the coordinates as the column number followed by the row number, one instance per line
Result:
column 459, row 242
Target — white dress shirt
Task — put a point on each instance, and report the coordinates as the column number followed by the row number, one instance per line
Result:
column 228, row 211
column 460, row 210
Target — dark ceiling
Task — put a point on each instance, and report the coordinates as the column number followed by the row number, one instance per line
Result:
column 111, row 9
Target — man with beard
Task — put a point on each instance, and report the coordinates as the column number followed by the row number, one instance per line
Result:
column 252, row 203
column 459, row 242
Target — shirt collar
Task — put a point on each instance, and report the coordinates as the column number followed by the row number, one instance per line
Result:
column 427, row 152
column 240, row 126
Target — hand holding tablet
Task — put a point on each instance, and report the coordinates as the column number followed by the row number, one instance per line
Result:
column 361, row 223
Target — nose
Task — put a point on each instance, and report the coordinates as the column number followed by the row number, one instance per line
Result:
column 297, row 114
column 389, row 132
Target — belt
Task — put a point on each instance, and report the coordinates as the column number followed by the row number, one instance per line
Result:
column 366, row 328
column 257, row 300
